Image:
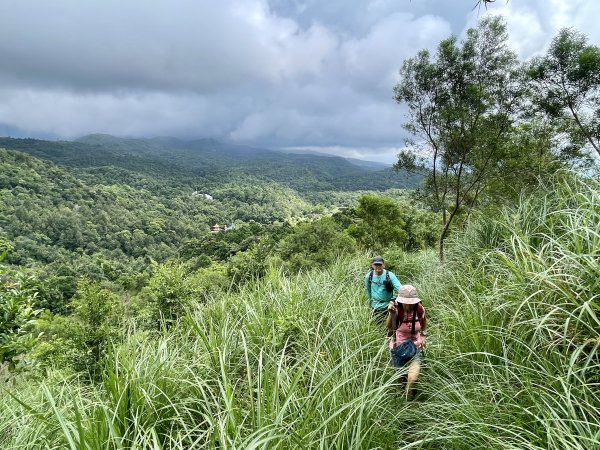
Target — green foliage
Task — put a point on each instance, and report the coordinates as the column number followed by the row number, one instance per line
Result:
column 532, row 156
column 95, row 307
column 82, row 340
column 213, row 164
column 516, row 327
column 248, row 265
column 5, row 248
column 173, row 288
column 108, row 217
column 408, row 266
column 211, row 281
column 242, row 237
column 379, row 223
column 566, row 87
column 422, row 226
column 115, row 207
column 288, row 363
column 17, row 314
column 169, row 293
column 462, row 103
column 314, row 244
column 294, row 361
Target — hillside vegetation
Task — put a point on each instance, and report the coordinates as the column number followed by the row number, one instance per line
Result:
column 126, row 323
column 212, row 163
column 294, row 362
column 114, row 224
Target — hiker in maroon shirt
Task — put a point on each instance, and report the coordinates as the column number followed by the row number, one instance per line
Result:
column 406, row 325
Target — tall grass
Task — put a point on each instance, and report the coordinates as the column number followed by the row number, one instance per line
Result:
column 294, row 361
column 290, row 362
column 516, row 363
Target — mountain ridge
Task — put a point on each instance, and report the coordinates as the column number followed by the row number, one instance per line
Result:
column 303, row 172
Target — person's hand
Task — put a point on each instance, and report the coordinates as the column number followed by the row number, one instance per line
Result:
column 423, row 341
column 391, row 306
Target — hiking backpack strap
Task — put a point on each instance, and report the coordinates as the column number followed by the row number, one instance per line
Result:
column 387, row 276
column 395, row 323
column 414, row 319
column 394, row 320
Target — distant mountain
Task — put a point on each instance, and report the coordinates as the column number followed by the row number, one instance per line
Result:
column 368, row 165
column 166, row 156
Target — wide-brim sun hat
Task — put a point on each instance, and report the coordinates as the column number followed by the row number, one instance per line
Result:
column 407, row 295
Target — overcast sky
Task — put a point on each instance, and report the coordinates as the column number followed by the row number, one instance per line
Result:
column 314, row 74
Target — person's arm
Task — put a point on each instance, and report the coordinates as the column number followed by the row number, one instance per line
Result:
column 390, row 317
column 421, row 316
column 368, row 288
column 423, row 322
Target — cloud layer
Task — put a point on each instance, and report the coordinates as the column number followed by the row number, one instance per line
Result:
column 276, row 73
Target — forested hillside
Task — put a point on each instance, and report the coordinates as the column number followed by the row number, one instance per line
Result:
column 212, row 162
column 294, row 361
column 110, row 217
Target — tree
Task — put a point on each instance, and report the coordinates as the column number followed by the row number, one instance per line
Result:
column 566, row 86
column 314, row 244
column 379, row 223
column 169, row 293
column 250, row 264
column 97, row 317
column 461, row 107
column 81, row 341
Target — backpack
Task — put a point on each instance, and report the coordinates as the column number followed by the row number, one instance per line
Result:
column 403, row 353
column 387, row 284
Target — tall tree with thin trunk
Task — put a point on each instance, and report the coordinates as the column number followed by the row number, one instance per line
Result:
column 461, row 105
column 566, row 87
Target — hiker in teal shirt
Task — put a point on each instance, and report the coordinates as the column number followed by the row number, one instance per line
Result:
column 379, row 296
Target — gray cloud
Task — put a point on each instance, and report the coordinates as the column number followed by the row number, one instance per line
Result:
column 276, row 73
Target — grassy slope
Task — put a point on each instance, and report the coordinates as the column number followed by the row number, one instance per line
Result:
column 289, row 363
column 517, row 329
column 292, row 362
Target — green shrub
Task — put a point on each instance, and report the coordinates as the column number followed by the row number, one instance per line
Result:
column 81, row 341
column 17, row 311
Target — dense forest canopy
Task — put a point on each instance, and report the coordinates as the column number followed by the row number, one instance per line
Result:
column 210, row 163
column 109, row 208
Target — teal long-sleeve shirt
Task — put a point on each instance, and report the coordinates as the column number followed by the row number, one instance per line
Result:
column 376, row 291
